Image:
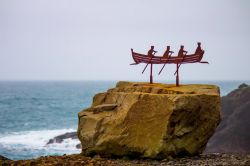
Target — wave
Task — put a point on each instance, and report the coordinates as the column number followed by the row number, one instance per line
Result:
column 30, row 144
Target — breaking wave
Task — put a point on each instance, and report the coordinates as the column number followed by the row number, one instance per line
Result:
column 31, row 144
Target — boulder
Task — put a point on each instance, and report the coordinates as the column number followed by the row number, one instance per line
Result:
column 149, row 120
column 232, row 135
column 60, row 138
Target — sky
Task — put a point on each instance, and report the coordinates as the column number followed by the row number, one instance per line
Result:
column 91, row 40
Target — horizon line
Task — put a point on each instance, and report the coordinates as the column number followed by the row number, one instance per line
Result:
column 156, row 81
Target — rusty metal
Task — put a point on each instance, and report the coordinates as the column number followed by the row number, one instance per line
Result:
column 162, row 69
column 182, row 58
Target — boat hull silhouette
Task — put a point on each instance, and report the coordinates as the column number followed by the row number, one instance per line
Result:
column 192, row 58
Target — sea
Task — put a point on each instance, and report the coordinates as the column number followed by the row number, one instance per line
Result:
column 32, row 112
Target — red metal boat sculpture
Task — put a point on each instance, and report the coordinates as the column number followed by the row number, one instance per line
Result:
column 191, row 58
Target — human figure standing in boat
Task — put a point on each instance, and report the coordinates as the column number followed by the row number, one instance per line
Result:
column 168, row 53
column 182, row 52
column 151, row 52
column 198, row 49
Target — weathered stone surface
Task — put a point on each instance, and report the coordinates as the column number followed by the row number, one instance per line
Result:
column 150, row 120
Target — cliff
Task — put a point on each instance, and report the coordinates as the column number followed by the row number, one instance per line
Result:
column 232, row 135
column 150, row 120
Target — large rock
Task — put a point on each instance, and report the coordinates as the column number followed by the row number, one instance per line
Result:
column 150, row 120
column 232, row 135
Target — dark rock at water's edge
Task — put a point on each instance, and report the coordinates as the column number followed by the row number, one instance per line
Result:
column 232, row 135
column 243, row 86
column 3, row 160
column 60, row 138
column 79, row 146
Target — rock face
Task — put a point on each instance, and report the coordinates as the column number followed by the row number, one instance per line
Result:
column 150, row 120
column 232, row 135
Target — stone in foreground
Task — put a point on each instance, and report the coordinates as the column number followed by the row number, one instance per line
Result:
column 150, row 120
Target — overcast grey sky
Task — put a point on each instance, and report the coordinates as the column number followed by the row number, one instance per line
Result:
column 91, row 40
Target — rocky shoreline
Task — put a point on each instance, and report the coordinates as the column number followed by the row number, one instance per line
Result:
column 78, row 159
column 236, row 154
column 235, row 102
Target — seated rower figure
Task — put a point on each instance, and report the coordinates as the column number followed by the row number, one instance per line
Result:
column 168, row 53
column 198, row 49
column 182, row 52
column 151, row 52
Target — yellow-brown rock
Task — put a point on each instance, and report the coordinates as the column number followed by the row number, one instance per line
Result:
column 150, row 120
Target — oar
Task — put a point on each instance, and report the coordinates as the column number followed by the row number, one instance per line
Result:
column 162, row 69
column 171, row 52
column 147, row 64
column 145, row 68
column 180, row 64
column 177, row 69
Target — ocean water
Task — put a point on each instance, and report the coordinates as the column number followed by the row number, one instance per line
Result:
column 32, row 112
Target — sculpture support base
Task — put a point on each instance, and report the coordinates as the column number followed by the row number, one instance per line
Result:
column 151, row 76
column 177, row 74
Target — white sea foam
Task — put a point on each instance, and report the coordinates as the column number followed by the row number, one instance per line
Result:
column 37, row 140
